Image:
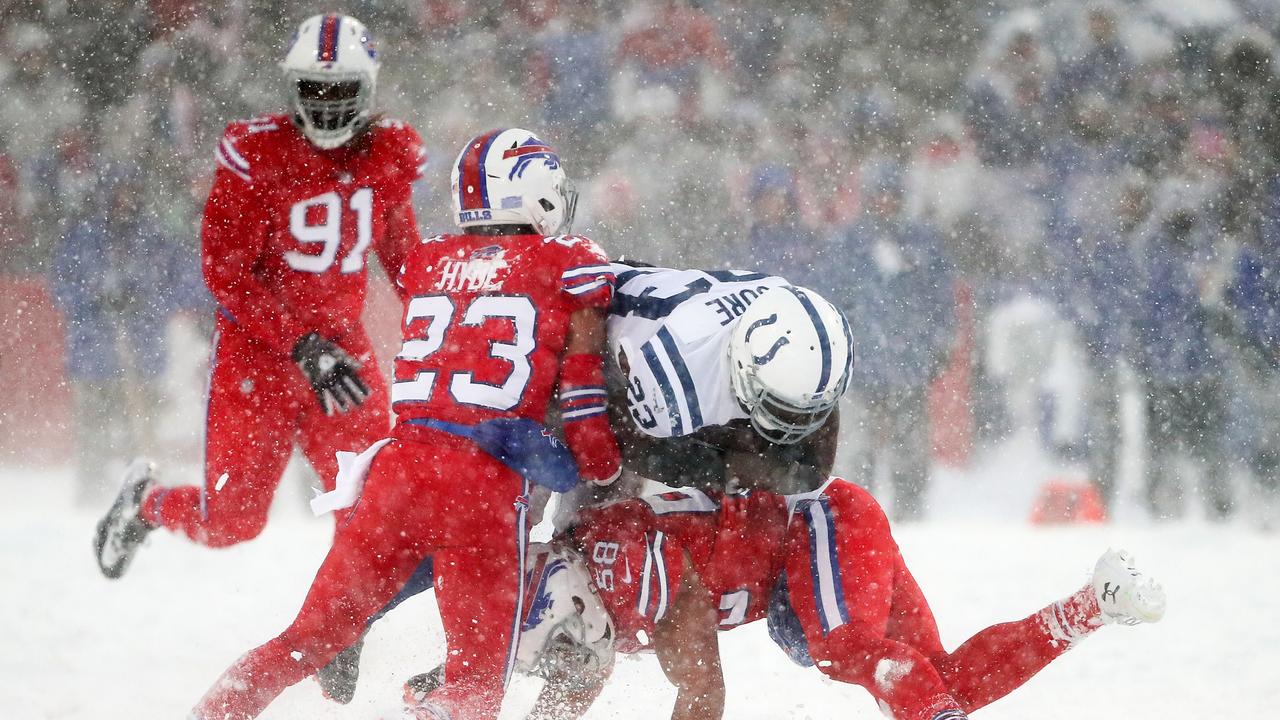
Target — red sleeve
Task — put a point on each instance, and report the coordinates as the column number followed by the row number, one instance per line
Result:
column 408, row 152
column 401, row 233
column 587, row 283
column 393, row 248
column 232, row 235
column 587, row 279
column 584, row 413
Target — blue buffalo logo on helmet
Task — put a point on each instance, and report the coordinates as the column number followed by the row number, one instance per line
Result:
column 512, row 177
column 527, row 152
column 565, row 623
column 370, row 46
column 540, row 601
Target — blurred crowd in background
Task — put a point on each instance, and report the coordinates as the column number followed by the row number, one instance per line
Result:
column 990, row 188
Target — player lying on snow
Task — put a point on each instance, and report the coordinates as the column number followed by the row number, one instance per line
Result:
column 822, row 565
column 497, row 318
column 666, row 572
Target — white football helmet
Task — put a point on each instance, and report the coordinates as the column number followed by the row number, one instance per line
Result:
column 790, row 359
column 565, row 622
column 332, row 70
column 510, row 177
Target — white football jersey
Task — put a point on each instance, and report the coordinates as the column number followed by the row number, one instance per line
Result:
column 669, row 330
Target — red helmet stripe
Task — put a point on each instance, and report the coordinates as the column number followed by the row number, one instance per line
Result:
column 535, row 581
column 526, row 150
column 329, row 38
column 473, row 184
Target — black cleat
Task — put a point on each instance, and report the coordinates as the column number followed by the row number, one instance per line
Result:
column 418, row 687
column 123, row 530
column 338, row 678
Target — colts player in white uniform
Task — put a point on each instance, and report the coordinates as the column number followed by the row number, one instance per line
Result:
column 724, row 361
column 670, row 330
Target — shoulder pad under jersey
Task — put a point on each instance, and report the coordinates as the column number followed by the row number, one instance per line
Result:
column 405, row 145
column 245, row 146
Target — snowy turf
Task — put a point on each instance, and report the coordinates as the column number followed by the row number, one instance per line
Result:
column 76, row 646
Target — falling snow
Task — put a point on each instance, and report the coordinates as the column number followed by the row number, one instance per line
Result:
column 1054, row 227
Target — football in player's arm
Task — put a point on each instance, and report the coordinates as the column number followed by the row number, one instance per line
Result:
column 299, row 200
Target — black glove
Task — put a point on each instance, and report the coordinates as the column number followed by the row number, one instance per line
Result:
column 331, row 372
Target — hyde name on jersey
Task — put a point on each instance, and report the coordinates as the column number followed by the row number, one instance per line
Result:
column 470, row 287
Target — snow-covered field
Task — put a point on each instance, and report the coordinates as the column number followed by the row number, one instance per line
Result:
column 75, row 646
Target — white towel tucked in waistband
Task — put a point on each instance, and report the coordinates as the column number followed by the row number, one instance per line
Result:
column 352, row 470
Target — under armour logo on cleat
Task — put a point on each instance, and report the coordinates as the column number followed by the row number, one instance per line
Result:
column 1108, row 590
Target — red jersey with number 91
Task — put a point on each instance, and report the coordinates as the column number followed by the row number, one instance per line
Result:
column 288, row 227
column 486, row 320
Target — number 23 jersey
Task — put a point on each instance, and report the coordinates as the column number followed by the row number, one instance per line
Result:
column 486, row 321
column 287, row 227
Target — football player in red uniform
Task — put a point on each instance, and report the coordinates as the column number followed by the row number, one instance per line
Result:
column 298, row 202
column 496, row 319
column 672, row 569
column 821, row 565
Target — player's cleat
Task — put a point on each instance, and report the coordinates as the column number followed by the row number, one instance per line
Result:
column 1125, row 595
column 122, row 530
column 418, row 687
column 338, row 678
column 425, row 711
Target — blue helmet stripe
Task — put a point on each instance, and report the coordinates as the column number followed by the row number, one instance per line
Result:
column 327, row 43
column 480, row 181
column 337, row 33
column 462, row 179
column 824, row 342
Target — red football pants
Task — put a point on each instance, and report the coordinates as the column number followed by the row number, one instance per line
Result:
column 868, row 623
column 259, row 406
column 438, row 495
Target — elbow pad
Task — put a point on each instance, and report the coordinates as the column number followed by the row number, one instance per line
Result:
column 584, row 412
